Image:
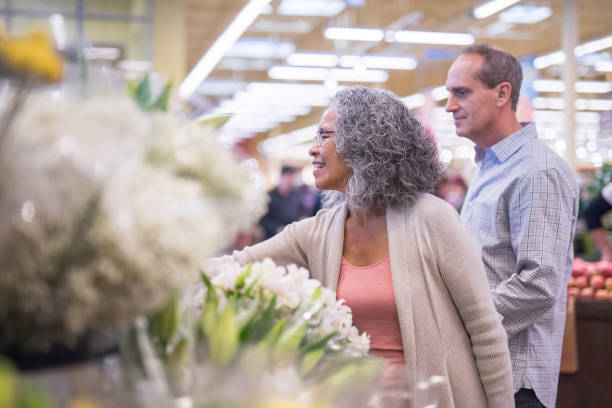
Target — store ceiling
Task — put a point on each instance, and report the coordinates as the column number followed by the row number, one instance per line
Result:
column 207, row 19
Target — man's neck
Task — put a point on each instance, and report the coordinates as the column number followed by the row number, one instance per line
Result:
column 504, row 127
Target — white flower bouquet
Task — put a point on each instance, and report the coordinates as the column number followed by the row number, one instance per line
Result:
column 105, row 211
column 259, row 333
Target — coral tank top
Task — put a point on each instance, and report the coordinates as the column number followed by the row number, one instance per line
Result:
column 368, row 291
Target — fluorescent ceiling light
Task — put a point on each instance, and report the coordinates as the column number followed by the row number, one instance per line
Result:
column 289, row 100
column 433, row 37
column 354, row 34
column 594, row 104
column 414, row 101
column 558, row 57
column 439, row 93
column 323, row 8
column 214, row 54
column 288, row 140
column 593, row 46
column 244, row 64
column 271, row 26
column 580, row 104
column 312, row 59
column 588, row 118
column 289, row 89
column 547, row 60
column 257, row 119
column 236, row 107
column 528, row 14
column 593, row 86
column 260, row 48
column 220, row 87
column 603, row 66
column 548, row 85
column 491, row 7
column 378, row 61
column 554, row 85
column 320, row 74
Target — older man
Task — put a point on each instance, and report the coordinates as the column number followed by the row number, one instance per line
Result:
column 521, row 208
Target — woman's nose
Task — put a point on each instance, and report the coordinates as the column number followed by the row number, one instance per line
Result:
column 314, row 149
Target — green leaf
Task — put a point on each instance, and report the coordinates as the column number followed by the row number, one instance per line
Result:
column 247, row 318
column 35, row 398
column 316, row 295
column 161, row 103
column 178, row 356
column 213, row 120
column 8, row 384
column 240, row 280
column 265, row 322
column 291, row 338
column 166, row 321
column 224, row 338
column 318, row 344
column 131, row 87
column 274, row 333
column 310, row 360
column 143, row 93
column 211, row 293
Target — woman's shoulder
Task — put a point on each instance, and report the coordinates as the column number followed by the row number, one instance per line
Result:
column 429, row 204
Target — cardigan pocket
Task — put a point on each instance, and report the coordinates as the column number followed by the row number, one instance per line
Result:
column 463, row 377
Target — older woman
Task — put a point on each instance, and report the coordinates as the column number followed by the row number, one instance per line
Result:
column 398, row 255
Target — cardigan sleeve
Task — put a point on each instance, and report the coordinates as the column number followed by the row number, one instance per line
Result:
column 462, row 271
column 286, row 247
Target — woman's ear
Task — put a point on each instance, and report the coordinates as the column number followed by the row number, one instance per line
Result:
column 504, row 90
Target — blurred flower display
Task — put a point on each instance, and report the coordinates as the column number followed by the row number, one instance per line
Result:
column 261, row 335
column 105, row 211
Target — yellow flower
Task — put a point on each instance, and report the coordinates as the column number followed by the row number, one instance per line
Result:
column 286, row 403
column 32, row 55
column 84, row 403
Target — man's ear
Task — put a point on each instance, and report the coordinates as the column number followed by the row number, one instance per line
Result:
column 504, row 90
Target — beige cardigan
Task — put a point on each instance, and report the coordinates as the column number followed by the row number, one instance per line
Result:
column 447, row 318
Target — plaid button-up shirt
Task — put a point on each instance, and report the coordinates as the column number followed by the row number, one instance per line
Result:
column 521, row 208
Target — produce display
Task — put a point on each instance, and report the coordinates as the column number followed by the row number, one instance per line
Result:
column 591, row 280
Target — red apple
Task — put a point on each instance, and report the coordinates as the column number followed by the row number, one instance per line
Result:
column 602, row 266
column 608, row 283
column 592, row 270
column 579, row 267
column 573, row 292
column 586, row 293
column 597, row 282
column 581, row 282
column 601, row 294
column 571, row 282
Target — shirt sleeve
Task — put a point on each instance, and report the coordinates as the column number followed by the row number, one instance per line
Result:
column 542, row 216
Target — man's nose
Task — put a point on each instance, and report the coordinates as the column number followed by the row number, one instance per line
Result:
column 451, row 105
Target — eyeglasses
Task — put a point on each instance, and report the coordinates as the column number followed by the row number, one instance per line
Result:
column 319, row 139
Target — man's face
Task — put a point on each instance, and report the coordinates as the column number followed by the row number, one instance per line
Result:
column 472, row 104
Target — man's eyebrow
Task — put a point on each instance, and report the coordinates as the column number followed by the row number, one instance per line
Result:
column 457, row 88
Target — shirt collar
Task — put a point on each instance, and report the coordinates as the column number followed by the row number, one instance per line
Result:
column 507, row 146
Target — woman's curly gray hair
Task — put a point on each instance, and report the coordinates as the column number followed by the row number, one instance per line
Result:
column 392, row 159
